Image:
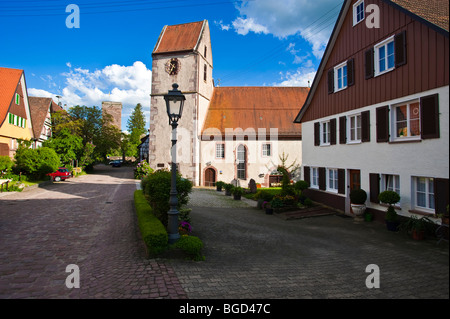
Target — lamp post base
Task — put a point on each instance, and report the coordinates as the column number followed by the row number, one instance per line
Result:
column 173, row 238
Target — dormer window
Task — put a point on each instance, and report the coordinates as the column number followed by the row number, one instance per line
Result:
column 340, row 77
column 358, row 12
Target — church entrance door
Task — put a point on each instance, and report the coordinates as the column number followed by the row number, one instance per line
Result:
column 210, row 177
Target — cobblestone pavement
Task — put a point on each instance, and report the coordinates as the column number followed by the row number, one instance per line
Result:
column 253, row 255
column 88, row 221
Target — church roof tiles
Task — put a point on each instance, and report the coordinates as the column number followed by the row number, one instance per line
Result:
column 255, row 108
column 178, row 38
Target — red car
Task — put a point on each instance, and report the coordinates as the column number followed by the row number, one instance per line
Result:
column 61, row 174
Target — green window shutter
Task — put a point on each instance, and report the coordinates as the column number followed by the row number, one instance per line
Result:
column 17, row 99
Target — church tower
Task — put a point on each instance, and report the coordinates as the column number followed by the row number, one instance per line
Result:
column 181, row 55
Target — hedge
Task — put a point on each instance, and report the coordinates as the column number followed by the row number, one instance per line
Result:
column 192, row 246
column 152, row 230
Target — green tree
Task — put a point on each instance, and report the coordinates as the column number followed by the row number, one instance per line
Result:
column 67, row 145
column 136, row 127
column 36, row 163
column 5, row 163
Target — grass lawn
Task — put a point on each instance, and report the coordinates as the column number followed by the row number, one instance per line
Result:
column 271, row 190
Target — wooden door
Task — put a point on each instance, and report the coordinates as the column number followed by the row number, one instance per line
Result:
column 210, row 177
column 355, row 179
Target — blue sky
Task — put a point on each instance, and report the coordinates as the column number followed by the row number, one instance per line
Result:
column 254, row 43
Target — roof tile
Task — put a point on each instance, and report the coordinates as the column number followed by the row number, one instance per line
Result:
column 255, row 108
column 180, row 37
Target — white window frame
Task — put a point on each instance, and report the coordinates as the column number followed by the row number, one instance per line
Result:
column 393, row 111
column 266, row 150
column 384, row 44
column 219, row 152
column 325, row 142
column 334, row 185
column 314, row 176
column 356, row 128
column 336, row 79
column 427, row 192
column 355, row 12
column 386, row 178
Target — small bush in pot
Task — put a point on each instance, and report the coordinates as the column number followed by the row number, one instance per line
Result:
column 219, row 185
column 391, row 218
column 418, row 227
column 228, row 188
column 358, row 198
column 237, row 192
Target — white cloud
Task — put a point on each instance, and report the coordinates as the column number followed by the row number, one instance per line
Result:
column 313, row 20
column 244, row 26
column 127, row 84
column 299, row 78
column 40, row 93
column 222, row 26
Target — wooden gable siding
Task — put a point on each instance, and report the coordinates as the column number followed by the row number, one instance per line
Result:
column 15, row 109
column 427, row 64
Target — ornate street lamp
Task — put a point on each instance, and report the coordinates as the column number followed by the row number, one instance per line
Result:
column 174, row 104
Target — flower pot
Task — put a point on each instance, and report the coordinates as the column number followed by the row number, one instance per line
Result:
column 237, row 197
column 260, row 203
column 227, row 192
column 269, row 211
column 392, row 226
column 418, row 234
column 368, row 217
column 219, row 188
column 358, row 209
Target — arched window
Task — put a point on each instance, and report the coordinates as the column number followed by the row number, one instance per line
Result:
column 241, row 162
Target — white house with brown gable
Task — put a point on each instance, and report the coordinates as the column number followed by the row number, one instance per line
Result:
column 225, row 133
column 377, row 115
column 41, row 109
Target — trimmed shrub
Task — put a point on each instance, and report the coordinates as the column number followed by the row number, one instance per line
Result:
column 156, row 188
column 301, row 185
column 358, row 196
column 192, row 246
column 152, row 230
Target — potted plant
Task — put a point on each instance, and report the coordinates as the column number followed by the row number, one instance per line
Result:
column 357, row 202
column 237, row 192
column 228, row 188
column 417, row 227
column 368, row 216
column 391, row 218
column 219, row 186
column 266, row 205
column 276, row 203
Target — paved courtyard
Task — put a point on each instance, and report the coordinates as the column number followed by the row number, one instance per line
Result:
column 253, row 255
column 89, row 221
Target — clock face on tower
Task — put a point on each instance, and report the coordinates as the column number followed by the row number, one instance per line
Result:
column 173, row 66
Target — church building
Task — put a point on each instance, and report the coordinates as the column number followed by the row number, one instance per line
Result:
column 224, row 133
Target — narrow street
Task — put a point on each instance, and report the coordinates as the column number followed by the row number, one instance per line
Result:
column 88, row 221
